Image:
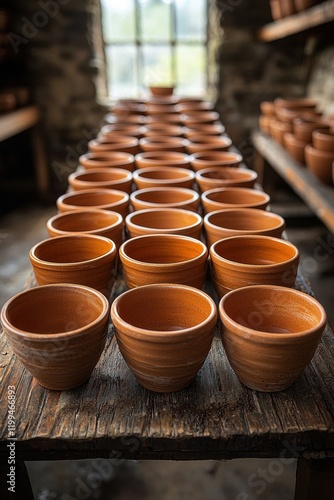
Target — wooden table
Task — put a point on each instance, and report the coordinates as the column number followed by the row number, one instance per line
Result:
column 216, row 417
column 318, row 196
column 17, row 121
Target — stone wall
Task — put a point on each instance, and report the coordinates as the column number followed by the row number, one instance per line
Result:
column 251, row 71
column 56, row 37
column 321, row 84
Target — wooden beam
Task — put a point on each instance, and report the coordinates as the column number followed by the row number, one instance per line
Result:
column 17, row 121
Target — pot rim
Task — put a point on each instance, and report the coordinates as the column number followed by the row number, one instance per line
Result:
column 265, row 213
column 322, row 153
column 244, row 331
column 126, row 175
column 196, row 223
column 153, row 335
column 75, row 213
column 219, row 259
column 206, row 194
column 156, row 266
column 41, row 263
column 124, row 197
column 200, row 174
column 194, row 196
column 185, row 173
column 53, row 336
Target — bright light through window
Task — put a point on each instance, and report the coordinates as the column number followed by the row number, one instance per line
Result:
column 151, row 42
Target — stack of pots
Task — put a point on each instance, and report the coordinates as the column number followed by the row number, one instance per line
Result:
column 291, row 123
column 160, row 196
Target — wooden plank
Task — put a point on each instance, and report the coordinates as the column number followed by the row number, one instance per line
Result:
column 315, row 16
column 17, row 121
column 318, row 196
column 315, row 479
column 214, row 418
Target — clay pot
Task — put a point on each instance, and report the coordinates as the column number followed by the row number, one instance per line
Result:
column 295, row 103
column 105, row 199
column 113, row 178
column 196, row 118
column 267, row 108
column 164, row 351
column 163, row 177
column 58, row 332
column 222, row 198
column 116, row 143
column 212, row 177
column 108, row 131
column 215, row 159
column 252, row 260
column 275, row 8
column 164, row 258
column 162, row 159
column 319, row 163
column 163, row 130
column 188, row 107
column 111, row 119
column 171, row 119
column 278, row 129
column 323, row 140
column 164, row 221
column 95, row 222
column 269, row 341
column 75, row 258
column 161, row 90
column 200, row 143
column 240, row 221
column 163, row 143
column 287, row 115
column 303, row 129
column 301, row 5
column 125, row 108
column 159, row 109
column 160, row 197
column 205, row 129
column 264, row 124
column 107, row 160
column 295, row 147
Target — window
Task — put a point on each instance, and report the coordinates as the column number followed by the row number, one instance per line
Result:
column 150, row 42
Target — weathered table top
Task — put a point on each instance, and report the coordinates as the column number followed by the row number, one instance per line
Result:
column 214, row 418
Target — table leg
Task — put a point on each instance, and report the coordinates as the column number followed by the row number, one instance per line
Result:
column 22, row 488
column 315, row 479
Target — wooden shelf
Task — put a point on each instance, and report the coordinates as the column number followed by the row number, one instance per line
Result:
column 318, row 196
column 17, row 121
column 291, row 25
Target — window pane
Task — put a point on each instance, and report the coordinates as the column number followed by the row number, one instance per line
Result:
column 118, row 20
column 191, row 19
column 190, row 69
column 155, row 20
column 121, row 68
column 157, row 65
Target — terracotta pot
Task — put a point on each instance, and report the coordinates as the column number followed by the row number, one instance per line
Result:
column 199, row 117
column 105, row 199
column 161, row 90
column 188, row 99
column 107, row 131
column 240, row 221
column 164, row 351
column 270, row 340
column 107, row 160
column 162, row 129
column 278, row 129
column 215, row 159
column 164, row 258
column 164, row 221
column 264, row 124
column 222, row 198
column 205, row 129
column 171, row 119
column 58, row 332
column 205, row 143
column 267, row 108
column 111, row 119
column 303, row 129
column 95, row 222
column 323, row 140
column 112, row 178
column 163, row 143
column 162, row 159
column 304, row 4
column 162, row 99
column 319, row 163
column 159, row 109
column 295, row 103
column 75, row 258
column 252, row 260
column 295, row 147
column 116, row 143
column 287, row 115
column 212, row 177
column 186, row 107
column 275, row 7
column 163, row 177
column 160, row 197
column 125, row 108
column 287, row 8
